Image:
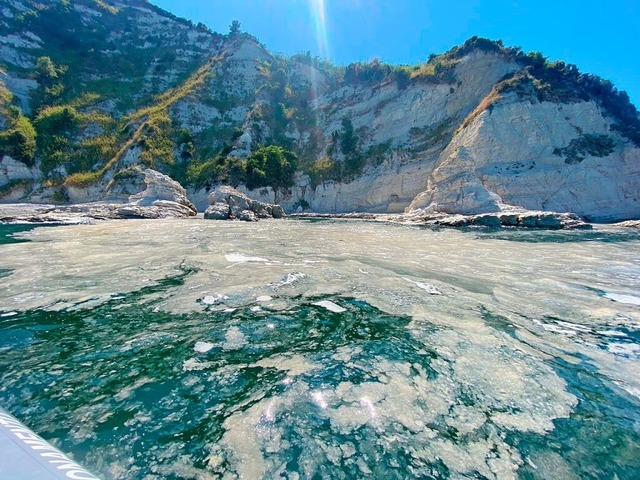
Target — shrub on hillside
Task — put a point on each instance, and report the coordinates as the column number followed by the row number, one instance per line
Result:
column 19, row 140
column 50, row 78
column 595, row 145
column 271, row 166
column 324, row 170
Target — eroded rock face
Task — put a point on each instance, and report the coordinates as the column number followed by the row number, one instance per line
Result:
column 12, row 170
column 162, row 198
column 227, row 203
column 20, row 87
column 516, row 155
column 162, row 191
column 415, row 123
column 16, row 179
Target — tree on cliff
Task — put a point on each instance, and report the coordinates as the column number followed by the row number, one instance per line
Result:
column 234, row 28
column 50, row 81
column 349, row 144
column 271, row 166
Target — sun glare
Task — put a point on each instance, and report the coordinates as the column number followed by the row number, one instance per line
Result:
column 318, row 13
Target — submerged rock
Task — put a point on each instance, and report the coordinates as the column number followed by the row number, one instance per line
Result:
column 520, row 218
column 550, row 220
column 487, row 220
column 227, row 203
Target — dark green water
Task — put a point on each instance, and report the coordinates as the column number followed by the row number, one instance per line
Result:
column 302, row 392
column 559, row 236
column 8, row 231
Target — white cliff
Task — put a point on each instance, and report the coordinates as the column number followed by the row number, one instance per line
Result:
column 505, row 156
column 502, row 158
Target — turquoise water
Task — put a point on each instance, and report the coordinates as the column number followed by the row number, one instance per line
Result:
column 220, row 362
column 8, row 231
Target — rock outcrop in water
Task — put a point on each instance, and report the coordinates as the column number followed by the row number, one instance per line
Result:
column 227, row 203
column 629, row 224
column 512, row 218
column 161, row 191
column 479, row 129
column 162, row 198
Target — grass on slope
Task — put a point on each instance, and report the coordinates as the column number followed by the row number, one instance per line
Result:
column 149, row 116
column 174, row 95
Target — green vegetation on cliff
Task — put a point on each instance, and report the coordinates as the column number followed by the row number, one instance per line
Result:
column 19, row 139
column 114, row 88
column 596, row 145
column 556, row 82
column 270, row 166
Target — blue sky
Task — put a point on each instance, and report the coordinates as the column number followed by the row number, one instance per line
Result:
column 600, row 37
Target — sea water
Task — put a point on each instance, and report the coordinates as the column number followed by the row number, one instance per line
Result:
column 192, row 349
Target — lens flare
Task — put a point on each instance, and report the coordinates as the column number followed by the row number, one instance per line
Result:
column 319, row 15
column 318, row 12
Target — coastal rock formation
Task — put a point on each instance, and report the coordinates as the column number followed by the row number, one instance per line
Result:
column 162, row 198
column 16, row 178
column 514, row 218
column 217, row 211
column 481, row 128
column 511, row 218
column 12, row 170
column 530, row 155
column 628, row 224
column 162, row 191
column 89, row 212
column 227, row 203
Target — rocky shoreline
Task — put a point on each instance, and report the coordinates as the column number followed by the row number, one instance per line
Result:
column 240, row 211
column 161, row 198
column 90, row 212
column 511, row 218
column 165, row 198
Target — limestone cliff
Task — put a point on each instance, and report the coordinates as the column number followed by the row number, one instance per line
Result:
column 89, row 89
column 529, row 155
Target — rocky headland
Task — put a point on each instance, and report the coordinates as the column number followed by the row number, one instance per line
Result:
column 481, row 134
